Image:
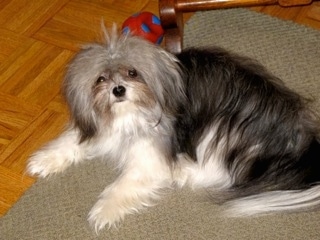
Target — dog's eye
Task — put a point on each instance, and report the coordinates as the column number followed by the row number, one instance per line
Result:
column 101, row 79
column 132, row 73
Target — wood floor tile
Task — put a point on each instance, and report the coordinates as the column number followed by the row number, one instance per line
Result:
column 67, row 31
column 12, row 41
column 15, row 115
column 12, row 186
column 47, row 84
column 37, row 74
column 26, row 17
column 41, row 129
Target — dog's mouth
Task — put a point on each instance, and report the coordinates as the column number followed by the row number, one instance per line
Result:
column 119, row 100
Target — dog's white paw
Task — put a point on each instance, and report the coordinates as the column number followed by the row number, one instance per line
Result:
column 105, row 214
column 47, row 162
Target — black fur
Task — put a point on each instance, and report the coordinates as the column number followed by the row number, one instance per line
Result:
column 249, row 104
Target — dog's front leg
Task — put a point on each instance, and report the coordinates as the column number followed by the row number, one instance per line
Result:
column 57, row 155
column 137, row 187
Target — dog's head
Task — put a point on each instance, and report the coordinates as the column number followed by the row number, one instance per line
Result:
column 124, row 70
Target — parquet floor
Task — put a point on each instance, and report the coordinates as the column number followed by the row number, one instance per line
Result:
column 37, row 39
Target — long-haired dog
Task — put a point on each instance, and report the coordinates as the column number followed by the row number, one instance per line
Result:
column 204, row 118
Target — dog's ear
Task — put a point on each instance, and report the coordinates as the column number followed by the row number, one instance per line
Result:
column 80, row 103
column 169, row 76
column 83, row 116
column 86, row 123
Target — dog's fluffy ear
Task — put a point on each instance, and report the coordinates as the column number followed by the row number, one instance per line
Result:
column 86, row 123
column 168, row 85
column 80, row 100
column 83, row 116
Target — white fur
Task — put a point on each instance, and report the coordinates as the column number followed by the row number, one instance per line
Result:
column 137, row 186
column 57, row 155
column 266, row 203
column 210, row 170
column 144, row 168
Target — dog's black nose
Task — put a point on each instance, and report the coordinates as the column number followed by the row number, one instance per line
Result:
column 119, row 91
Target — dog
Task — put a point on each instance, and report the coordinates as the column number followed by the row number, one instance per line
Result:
column 203, row 118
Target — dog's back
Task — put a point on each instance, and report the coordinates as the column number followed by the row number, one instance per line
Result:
column 269, row 137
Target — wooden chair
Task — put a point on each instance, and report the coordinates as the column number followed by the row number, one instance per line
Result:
column 171, row 14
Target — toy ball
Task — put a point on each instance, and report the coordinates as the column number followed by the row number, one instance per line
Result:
column 144, row 24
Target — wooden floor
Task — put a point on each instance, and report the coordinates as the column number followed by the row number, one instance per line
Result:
column 37, row 39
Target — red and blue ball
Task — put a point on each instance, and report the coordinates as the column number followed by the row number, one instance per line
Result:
column 144, row 24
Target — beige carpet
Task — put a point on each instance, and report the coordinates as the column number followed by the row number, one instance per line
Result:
column 57, row 208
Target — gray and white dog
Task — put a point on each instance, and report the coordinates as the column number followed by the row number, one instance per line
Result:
column 204, row 118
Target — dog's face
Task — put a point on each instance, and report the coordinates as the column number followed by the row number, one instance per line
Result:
column 126, row 73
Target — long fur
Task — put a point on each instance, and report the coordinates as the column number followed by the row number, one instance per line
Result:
column 204, row 118
column 263, row 133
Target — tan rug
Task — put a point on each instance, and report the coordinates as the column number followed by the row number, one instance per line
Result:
column 57, row 208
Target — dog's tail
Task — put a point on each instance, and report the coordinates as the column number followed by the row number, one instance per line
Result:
column 285, row 200
column 275, row 201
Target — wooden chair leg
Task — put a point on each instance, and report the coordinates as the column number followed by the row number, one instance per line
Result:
column 172, row 23
column 171, row 14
